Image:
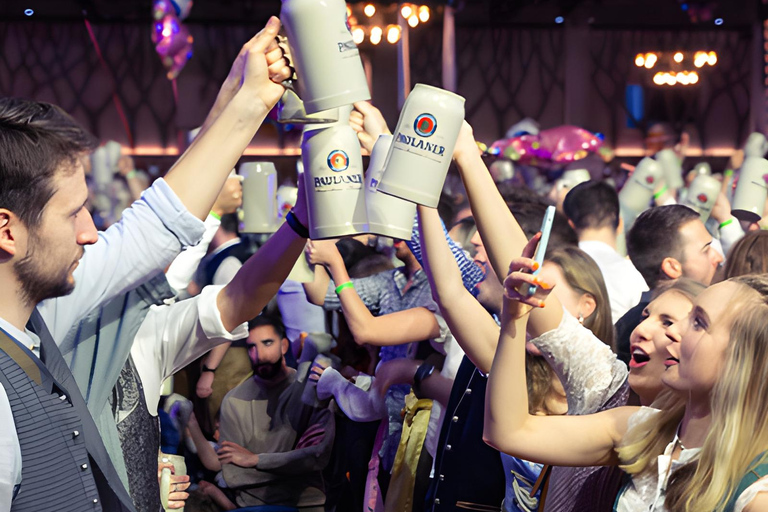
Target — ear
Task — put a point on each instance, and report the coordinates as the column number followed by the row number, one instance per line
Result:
column 672, row 268
column 285, row 345
column 9, row 225
column 570, row 223
column 587, row 304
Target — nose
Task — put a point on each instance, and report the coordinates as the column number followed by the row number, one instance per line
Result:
column 475, row 240
column 85, row 229
column 641, row 332
column 717, row 258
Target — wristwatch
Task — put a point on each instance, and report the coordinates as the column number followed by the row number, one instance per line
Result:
column 423, row 372
column 206, row 369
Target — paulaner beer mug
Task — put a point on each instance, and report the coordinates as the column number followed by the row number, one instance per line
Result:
column 637, row 192
column 423, row 145
column 756, row 145
column 702, row 195
column 326, row 58
column 673, row 170
column 333, row 180
column 259, row 197
column 751, row 191
column 387, row 215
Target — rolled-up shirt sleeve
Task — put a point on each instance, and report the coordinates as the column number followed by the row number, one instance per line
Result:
column 149, row 236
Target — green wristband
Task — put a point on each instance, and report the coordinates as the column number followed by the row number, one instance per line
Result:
column 131, row 174
column 343, row 286
column 660, row 192
column 723, row 224
column 215, row 215
column 728, row 173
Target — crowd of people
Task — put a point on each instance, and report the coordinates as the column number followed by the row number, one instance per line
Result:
column 408, row 375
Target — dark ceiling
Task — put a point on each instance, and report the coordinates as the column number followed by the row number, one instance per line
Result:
column 687, row 14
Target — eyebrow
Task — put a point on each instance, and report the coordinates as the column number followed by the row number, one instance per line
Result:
column 708, row 244
column 76, row 210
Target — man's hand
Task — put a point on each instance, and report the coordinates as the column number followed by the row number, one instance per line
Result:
column 231, row 453
column 368, row 122
column 204, row 385
column 322, row 252
column 259, row 69
column 721, row 211
column 465, row 144
column 230, row 198
column 177, row 495
column 125, row 165
column 317, row 370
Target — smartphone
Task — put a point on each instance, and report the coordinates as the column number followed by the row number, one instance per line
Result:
column 541, row 249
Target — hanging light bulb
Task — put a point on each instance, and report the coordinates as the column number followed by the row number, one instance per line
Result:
column 376, row 34
column 693, row 77
column 406, row 10
column 712, row 58
column 678, row 57
column 393, row 34
column 358, row 34
column 658, row 78
column 424, row 13
column 683, row 78
column 349, row 11
column 700, row 59
column 413, row 20
column 639, row 60
column 650, row 60
column 369, row 10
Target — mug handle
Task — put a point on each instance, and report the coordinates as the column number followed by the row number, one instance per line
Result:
column 165, row 487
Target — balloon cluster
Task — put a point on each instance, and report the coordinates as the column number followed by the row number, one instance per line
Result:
column 560, row 145
column 172, row 39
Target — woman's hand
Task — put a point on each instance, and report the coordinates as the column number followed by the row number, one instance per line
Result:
column 322, row 252
column 518, row 301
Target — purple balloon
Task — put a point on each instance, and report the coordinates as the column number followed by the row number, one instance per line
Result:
column 175, row 37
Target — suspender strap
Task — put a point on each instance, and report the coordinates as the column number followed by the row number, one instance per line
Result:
column 542, row 483
column 20, row 357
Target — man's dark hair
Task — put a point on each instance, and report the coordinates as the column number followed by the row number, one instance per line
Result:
column 230, row 223
column 655, row 235
column 37, row 140
column 274, row 321
column 530, row 215
column 592, row 205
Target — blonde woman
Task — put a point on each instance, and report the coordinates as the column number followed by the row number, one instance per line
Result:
column 702, row 450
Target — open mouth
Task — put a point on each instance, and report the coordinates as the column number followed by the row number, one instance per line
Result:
column 639, row 358
column 671, row 361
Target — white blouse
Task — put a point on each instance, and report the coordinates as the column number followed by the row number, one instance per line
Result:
column 648, row 491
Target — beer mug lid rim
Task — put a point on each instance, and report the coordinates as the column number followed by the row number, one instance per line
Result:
column 437, row 89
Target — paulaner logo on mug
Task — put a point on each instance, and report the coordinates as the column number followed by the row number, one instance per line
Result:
column 338, row 160
column 422, row 148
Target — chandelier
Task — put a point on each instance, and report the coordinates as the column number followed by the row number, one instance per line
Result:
column 676, row 68
column 371, row 23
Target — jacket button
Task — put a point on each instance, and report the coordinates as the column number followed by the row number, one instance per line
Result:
column 75, row 433
column 84, row 466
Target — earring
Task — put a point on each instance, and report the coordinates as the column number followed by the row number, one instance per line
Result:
column 581, row 318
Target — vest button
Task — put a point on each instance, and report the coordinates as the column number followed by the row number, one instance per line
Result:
column 84, row 467
column 455, row 419
column 442, row 477
column 468, row 391
column 95, row 501
column 437, row 501
column 447, row 447
column 62, row 397
column 75, row 433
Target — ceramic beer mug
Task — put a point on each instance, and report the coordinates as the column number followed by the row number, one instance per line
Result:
column 179, row 469
column 323, row 53
column 751, row 192
column 637, row 192
column 387, row 215
column 673, row 170
column 423, row 144
column 702, row 195
column 333, row 180
column 259, row 197
column 756, row 145
column 702, row 168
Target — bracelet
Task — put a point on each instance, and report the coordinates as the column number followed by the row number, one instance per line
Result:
column 660, row 192
column 728, row 173
column 131, row 174
column 296, row 226
column 344, row 286
column 215, row 215
column 723, row 224
column 422, row 373
column 206, row 369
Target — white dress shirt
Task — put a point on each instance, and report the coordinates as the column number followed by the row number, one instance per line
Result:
column 622, row 280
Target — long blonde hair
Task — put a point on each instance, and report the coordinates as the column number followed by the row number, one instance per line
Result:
column 738, row 435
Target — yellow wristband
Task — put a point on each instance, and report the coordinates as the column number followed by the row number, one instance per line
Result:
column 343, row 286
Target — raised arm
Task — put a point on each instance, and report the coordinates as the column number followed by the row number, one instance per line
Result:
column 471, row 325
column 250, row 91
column 502, row 236
column 318, row 287
column 415, row 324
column 558, row 440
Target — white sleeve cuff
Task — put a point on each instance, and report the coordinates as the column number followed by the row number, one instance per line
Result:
column 210, row 317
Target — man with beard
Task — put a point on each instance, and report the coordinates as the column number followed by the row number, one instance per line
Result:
column 53, row 458
column 274, row 447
